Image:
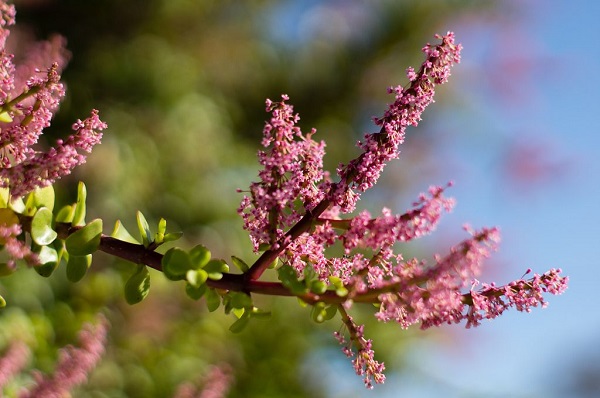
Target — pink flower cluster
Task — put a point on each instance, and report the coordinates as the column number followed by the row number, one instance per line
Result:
column 491, row 301
column 16, row 248
column 217, row 383
column 364, row 362
column 29, row 97
column 289, row 186
column 74, row 363
column 379, row 148
column 294, row 214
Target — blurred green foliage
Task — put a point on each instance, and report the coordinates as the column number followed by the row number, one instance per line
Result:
column 182, row 84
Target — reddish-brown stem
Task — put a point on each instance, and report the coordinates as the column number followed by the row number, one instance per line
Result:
column 269, row 256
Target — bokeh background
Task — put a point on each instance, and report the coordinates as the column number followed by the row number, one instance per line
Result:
column 182, row 86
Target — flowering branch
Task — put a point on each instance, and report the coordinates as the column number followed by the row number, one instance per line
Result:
column 295, row 214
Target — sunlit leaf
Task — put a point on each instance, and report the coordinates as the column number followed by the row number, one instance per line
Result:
column 144, row 229
column 41, row 227
column 200, row 256
column 121, row 233
column 44, row 197
column 65, row 214
column 86, row 240
column 49, row 259
column 80, row 206
column 196, row 277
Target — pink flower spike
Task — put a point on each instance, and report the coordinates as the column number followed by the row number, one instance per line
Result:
column 74, row 363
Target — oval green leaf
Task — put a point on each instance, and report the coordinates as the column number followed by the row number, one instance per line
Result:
column 138, row 285
column 215, row 269
column 175, row 263
column 144, row 228
column 65, row 214
column 213, row 300
column 86, row 240
column 80, row 207
column 196, row 277
column 77, row 267
column 195, row 292
column 159, row 237
column 44, row 197
column 200, row 256
column 48, row 257
column 41, row 227
column 240, row 300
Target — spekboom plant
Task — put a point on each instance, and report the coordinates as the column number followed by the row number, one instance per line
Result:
column 295, row 214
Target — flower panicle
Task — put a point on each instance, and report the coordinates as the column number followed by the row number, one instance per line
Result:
column 363, row 360
column 30, row 94
column 410, row 102
column 292, row 171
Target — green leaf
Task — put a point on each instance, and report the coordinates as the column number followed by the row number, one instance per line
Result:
column 2, row 302
column 258, row 313
column 5, row 117
column 49, row 259
column 4, row 197
column 86, row 240
column 240, row 300
column 171, row 236
column 330, row 312
column 121, row 233
column 238, row 262
column 287, row 275
column 80, row 207
column 213, row 300
column 318, row 287
column 176, row 263
column 17, row 205
column 144, row 229
column 195, row 292
column 41, row 227
column 340, row 290
column 138, row 285
column 77, row 267
column 65, row 214
column 322, row 312
column 44, row 197
column 196, row 277
column 215, row 269
column 241, row 323
column 200, row 256
column 160, row 232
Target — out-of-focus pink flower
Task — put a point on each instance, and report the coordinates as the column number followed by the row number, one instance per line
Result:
column 74, row 363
